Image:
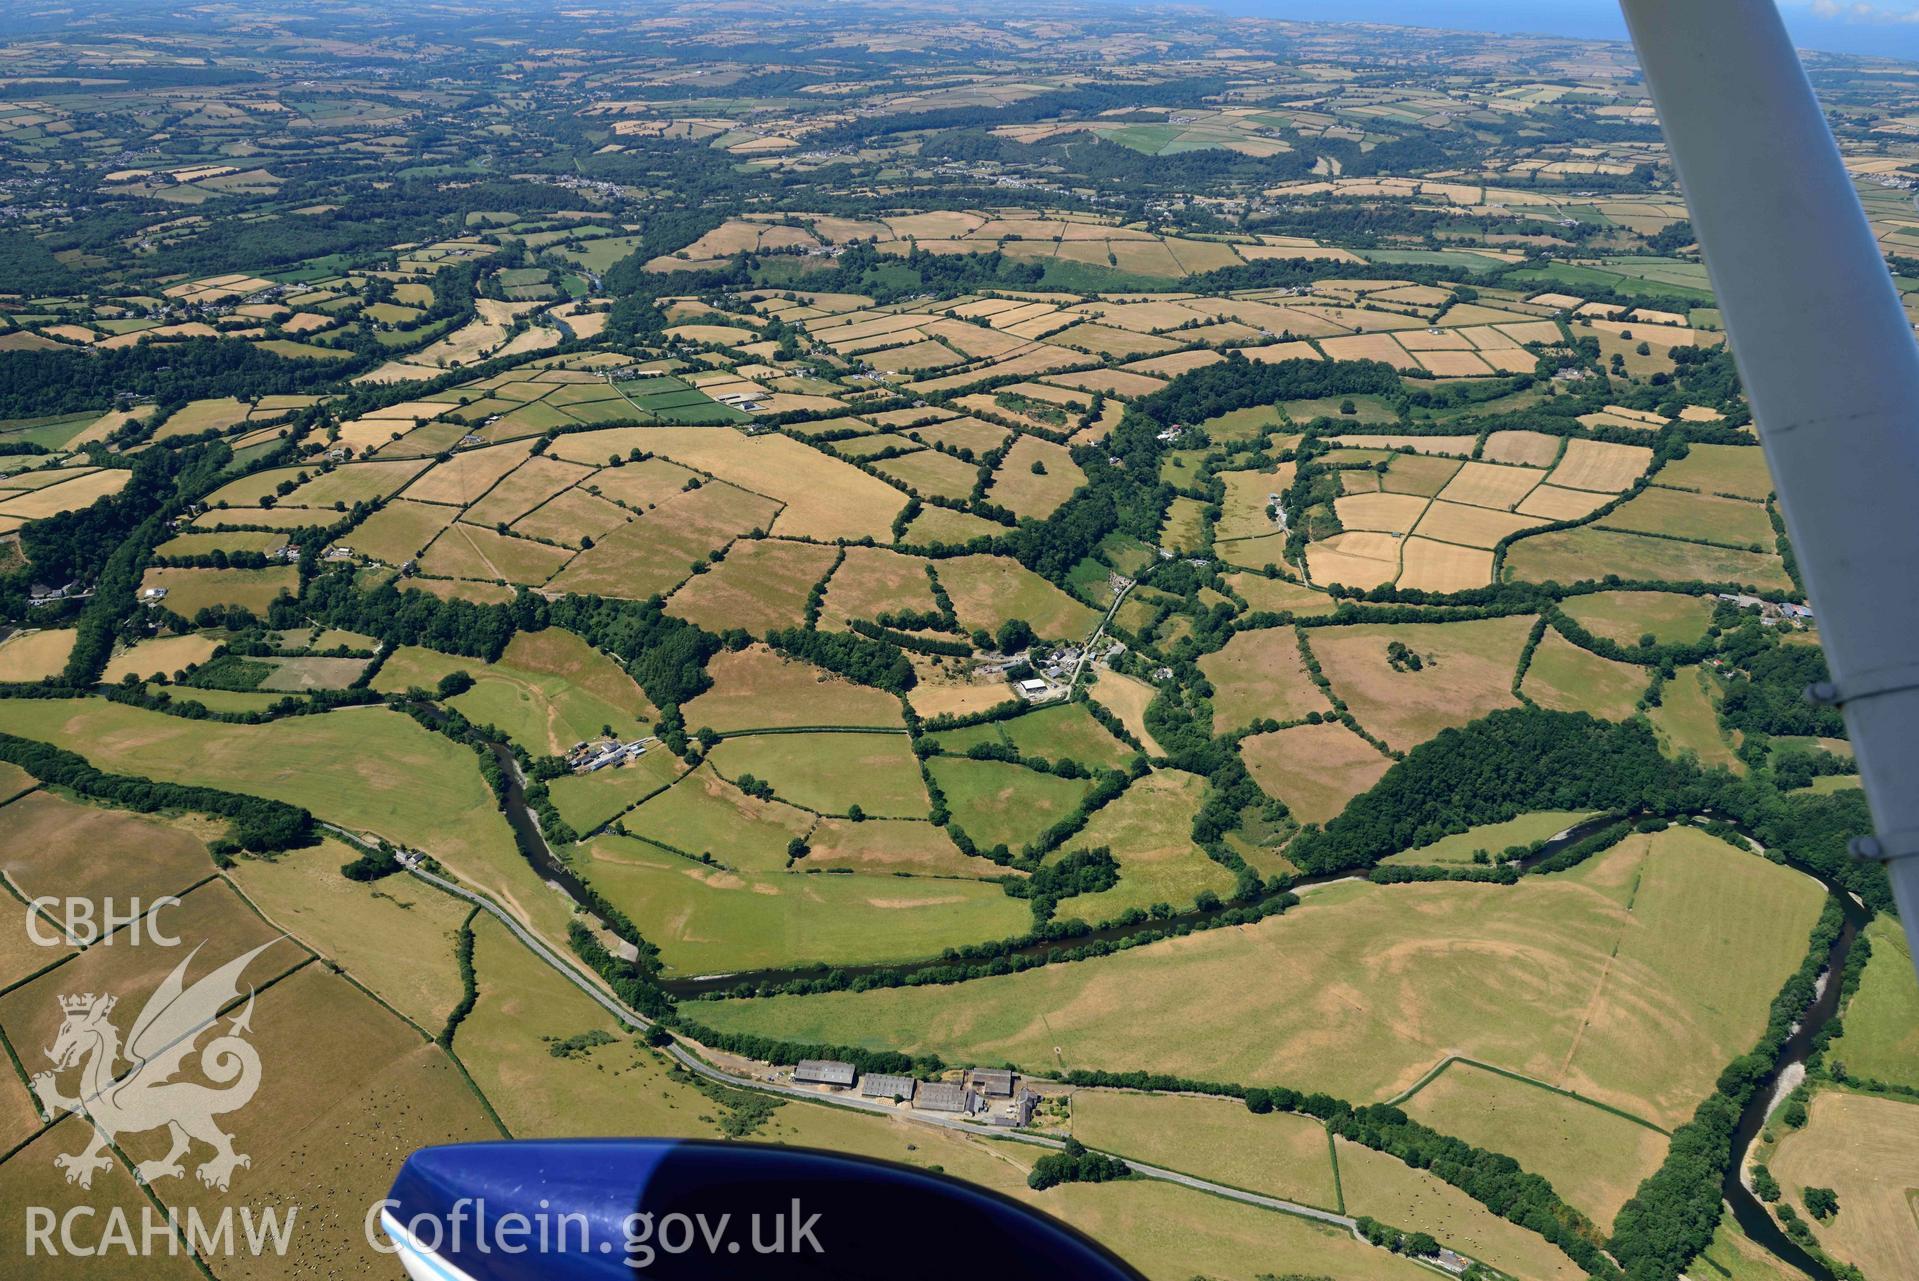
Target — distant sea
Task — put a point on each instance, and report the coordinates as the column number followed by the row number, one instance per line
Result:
column 1585, row 19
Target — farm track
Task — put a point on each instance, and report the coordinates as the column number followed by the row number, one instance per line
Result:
column 693, row 1063
column 1740, row 1199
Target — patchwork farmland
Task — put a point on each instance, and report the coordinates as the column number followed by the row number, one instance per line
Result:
column 1202, row 586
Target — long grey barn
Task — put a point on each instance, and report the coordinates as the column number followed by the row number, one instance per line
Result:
column 883, row 1085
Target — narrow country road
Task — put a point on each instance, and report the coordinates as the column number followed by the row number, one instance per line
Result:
column 693, row 1063
column 1086, row 650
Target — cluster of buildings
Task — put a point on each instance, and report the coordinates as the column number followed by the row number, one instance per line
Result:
column 586, row 757
column 991, row 1096
column 1052, row 673
column 1772, row 613
column 53, row 593
column 740, row 400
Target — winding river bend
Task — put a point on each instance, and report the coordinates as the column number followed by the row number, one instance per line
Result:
column 1748, row 1211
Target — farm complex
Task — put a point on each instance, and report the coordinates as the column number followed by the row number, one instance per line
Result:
column 1179, row 617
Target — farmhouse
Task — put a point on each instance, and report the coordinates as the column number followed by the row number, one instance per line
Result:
column 825, row 1072
column 1014, row 1112
column 1771, row 613
column 43, row 594
column 588, row 757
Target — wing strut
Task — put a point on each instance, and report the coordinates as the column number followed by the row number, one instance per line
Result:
column 1828, row 359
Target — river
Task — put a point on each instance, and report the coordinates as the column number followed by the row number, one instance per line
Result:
column 1748, row 1210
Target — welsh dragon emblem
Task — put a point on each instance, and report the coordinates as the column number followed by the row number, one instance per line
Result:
column 145, row 1096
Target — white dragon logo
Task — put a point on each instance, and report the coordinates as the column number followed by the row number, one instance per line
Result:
column 145, row 1096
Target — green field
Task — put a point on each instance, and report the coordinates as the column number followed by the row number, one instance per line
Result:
column 1705, row 517
column 1881, row 1039
column 1149, row 830
column 1563, row 276
column 831, row 773
column 1491, row 837
column 996, row 803
column 1721, row 469
column 191, row 590
column 544, row 712
column 1384, row 1187
column 1670, row 618
column 586, row 801
column 549, row 690
column 1687, row 719
column 703, row 813
column 709, row 920
column 1243, row 424
column 367, row 768
column 1059, row 733
column 1577, row 555
column 1367, row 409
column 1566, row 678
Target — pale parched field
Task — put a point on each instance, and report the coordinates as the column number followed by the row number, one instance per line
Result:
column 396, row 937
column 822, row 496
column 756, row 688
column 1867, row 1150
column 1282, row 1154
column 1432, row 566
column 1383, row 1186
column 50, row 845
column 611, row 1089
column 1167, row 1232
column 1315, row 769
column 1149, row 831
column 988, row 590
column 1595, row 1159
column 761, row 585
column 35, row 655
column 1260, row 674
column 1467, row 671
column 1635, row 1000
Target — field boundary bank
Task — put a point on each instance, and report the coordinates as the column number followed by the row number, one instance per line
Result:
column 810, row 729
column 1440, row 1069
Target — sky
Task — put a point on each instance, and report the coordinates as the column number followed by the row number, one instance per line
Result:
column 1888, row 28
